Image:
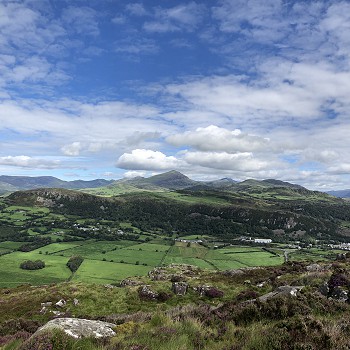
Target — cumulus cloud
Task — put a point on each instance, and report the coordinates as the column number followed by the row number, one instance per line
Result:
column 72, row 149
column 143, row 159
column 29, row 162
column 214, row 138
column 134, row 173
column 226, row 161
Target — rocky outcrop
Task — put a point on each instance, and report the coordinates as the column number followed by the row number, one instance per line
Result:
column 146, row 293
column 179, row 288
column 281, row 291
column 209, row 291
column 79, row 328
column 129, row 282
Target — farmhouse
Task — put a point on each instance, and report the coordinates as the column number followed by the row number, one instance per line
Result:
column 262, row 240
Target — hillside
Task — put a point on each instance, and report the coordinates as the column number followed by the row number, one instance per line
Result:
column 294, row 306
column 278, row 212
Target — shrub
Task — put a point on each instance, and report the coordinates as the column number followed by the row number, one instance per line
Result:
column 32, row 265
column 247, row 295
column 214, row 293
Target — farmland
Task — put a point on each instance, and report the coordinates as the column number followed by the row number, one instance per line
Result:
column 114, row 250
column 110, row 262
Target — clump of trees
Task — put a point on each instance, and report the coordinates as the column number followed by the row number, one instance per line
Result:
column 74, row 262
column 32, row 265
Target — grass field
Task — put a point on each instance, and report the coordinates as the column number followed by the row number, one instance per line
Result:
column 107, row 272
column 109, row 262
column 12, row 275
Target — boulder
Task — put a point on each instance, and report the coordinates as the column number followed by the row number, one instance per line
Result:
column 324, row 289
column 128, row 282
column 48, row 303
column 338, row 293
column 282, row 291
column 209, row 291
column 179, row 288
column 146, row 293
column 314, row 268
column 80, row 328
column 61, row 303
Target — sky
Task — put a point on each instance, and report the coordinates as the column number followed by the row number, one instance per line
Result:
column 228, row 88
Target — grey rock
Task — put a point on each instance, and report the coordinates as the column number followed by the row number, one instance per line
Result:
column 324, row 289
column 61, row 303
column 146, row 293
column 282, row 291
column 80, row 328
column 201, row 290
column 314, row 268
column 48, row 303
column 128, row 282
column 179, row 288
column 75, row 302
column 339, row 294
column 109, row 286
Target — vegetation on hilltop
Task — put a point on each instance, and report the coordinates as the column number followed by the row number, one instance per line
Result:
column 218, row 213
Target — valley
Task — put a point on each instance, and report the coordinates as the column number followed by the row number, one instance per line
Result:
column 131, row 233
column 170, row 263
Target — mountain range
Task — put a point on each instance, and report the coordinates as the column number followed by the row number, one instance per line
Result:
column 16, row 183
column 168, row 181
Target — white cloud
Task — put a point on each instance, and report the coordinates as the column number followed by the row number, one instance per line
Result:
column 226, row 161
column 134, row 173
column 72, row 149
column 213, row 138
column 82, row 19
column 29, row 162
column 178, row 18
column 136, row 9
column 136, row 46
column 142, row 159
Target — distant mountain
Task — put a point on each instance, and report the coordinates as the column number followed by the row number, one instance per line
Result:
column 15, row 183
column 171, row 180
column 221, row 183
column 340, row 193
column 279, row 183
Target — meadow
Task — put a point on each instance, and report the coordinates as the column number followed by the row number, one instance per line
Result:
column 111, row 262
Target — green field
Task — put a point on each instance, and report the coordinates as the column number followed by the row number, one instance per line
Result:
column 12, row 275
column 109, row 262
column 93, row 271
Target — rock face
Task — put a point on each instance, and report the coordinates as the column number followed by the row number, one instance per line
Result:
column 80, row 328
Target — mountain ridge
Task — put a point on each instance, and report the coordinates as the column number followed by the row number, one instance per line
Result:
column 11, row 183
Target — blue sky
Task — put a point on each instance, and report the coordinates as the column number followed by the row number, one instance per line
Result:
column 231, row 88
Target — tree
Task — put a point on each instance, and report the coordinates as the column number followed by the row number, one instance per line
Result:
column 74, row 262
